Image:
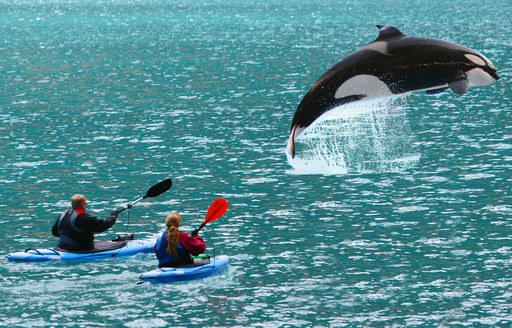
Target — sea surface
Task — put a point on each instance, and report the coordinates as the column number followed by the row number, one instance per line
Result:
column 106, row 98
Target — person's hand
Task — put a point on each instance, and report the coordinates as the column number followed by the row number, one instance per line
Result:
column 114, row 213
column 195, row 232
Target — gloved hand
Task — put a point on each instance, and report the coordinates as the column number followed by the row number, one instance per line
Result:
column 195, row 232
column 114, row 213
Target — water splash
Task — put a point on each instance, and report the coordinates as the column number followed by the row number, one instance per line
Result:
column 362, row 137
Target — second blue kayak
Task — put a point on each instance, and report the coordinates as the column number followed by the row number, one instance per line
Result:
column 201, row 269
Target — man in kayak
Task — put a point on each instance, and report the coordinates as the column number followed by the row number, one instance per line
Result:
column 75, row 227
column 173, row 247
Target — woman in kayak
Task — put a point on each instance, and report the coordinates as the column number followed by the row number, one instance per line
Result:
column 173, row 247
column 75, row 227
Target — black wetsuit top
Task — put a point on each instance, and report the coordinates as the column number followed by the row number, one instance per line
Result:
column 75, row 229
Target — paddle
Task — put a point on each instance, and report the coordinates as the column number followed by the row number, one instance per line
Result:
column 154, row 191
column 217, row 208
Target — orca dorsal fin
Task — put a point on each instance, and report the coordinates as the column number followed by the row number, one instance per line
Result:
column 388, row 32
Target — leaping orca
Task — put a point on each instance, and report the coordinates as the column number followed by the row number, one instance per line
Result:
column 392, row 64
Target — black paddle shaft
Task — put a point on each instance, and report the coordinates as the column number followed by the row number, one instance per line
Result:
column 154, row 191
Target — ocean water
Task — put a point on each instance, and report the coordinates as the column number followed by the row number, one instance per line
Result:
column 106, row 98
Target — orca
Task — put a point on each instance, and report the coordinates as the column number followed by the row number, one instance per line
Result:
column 392, row 64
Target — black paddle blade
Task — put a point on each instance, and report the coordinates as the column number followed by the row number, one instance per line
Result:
column 159, row 188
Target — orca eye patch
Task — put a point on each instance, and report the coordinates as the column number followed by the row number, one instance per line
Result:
column 475, row 59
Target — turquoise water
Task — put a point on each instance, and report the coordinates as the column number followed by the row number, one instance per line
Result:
column 108, row 98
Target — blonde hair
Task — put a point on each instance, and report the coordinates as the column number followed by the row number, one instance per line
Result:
column 77, row 201
column 172, row 221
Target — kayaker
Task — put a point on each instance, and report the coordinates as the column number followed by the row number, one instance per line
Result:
column 75, row 227
column 173, row 247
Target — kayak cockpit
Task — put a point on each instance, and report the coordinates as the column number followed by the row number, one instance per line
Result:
column 99, row 246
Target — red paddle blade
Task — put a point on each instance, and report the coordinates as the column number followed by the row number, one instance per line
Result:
column 216, row 210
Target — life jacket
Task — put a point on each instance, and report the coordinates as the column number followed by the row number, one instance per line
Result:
column 70, row 236
column 166, row 260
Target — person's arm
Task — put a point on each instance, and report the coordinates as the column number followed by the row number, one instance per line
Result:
column 193, row 244
column 90, row 223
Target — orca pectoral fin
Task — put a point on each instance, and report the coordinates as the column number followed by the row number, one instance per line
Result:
column 434, row 91
column 460, row 85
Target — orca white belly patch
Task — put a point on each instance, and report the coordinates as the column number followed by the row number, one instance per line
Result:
column 367, row 85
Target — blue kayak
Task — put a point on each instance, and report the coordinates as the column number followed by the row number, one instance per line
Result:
column 200, row 269
column 102, row 250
